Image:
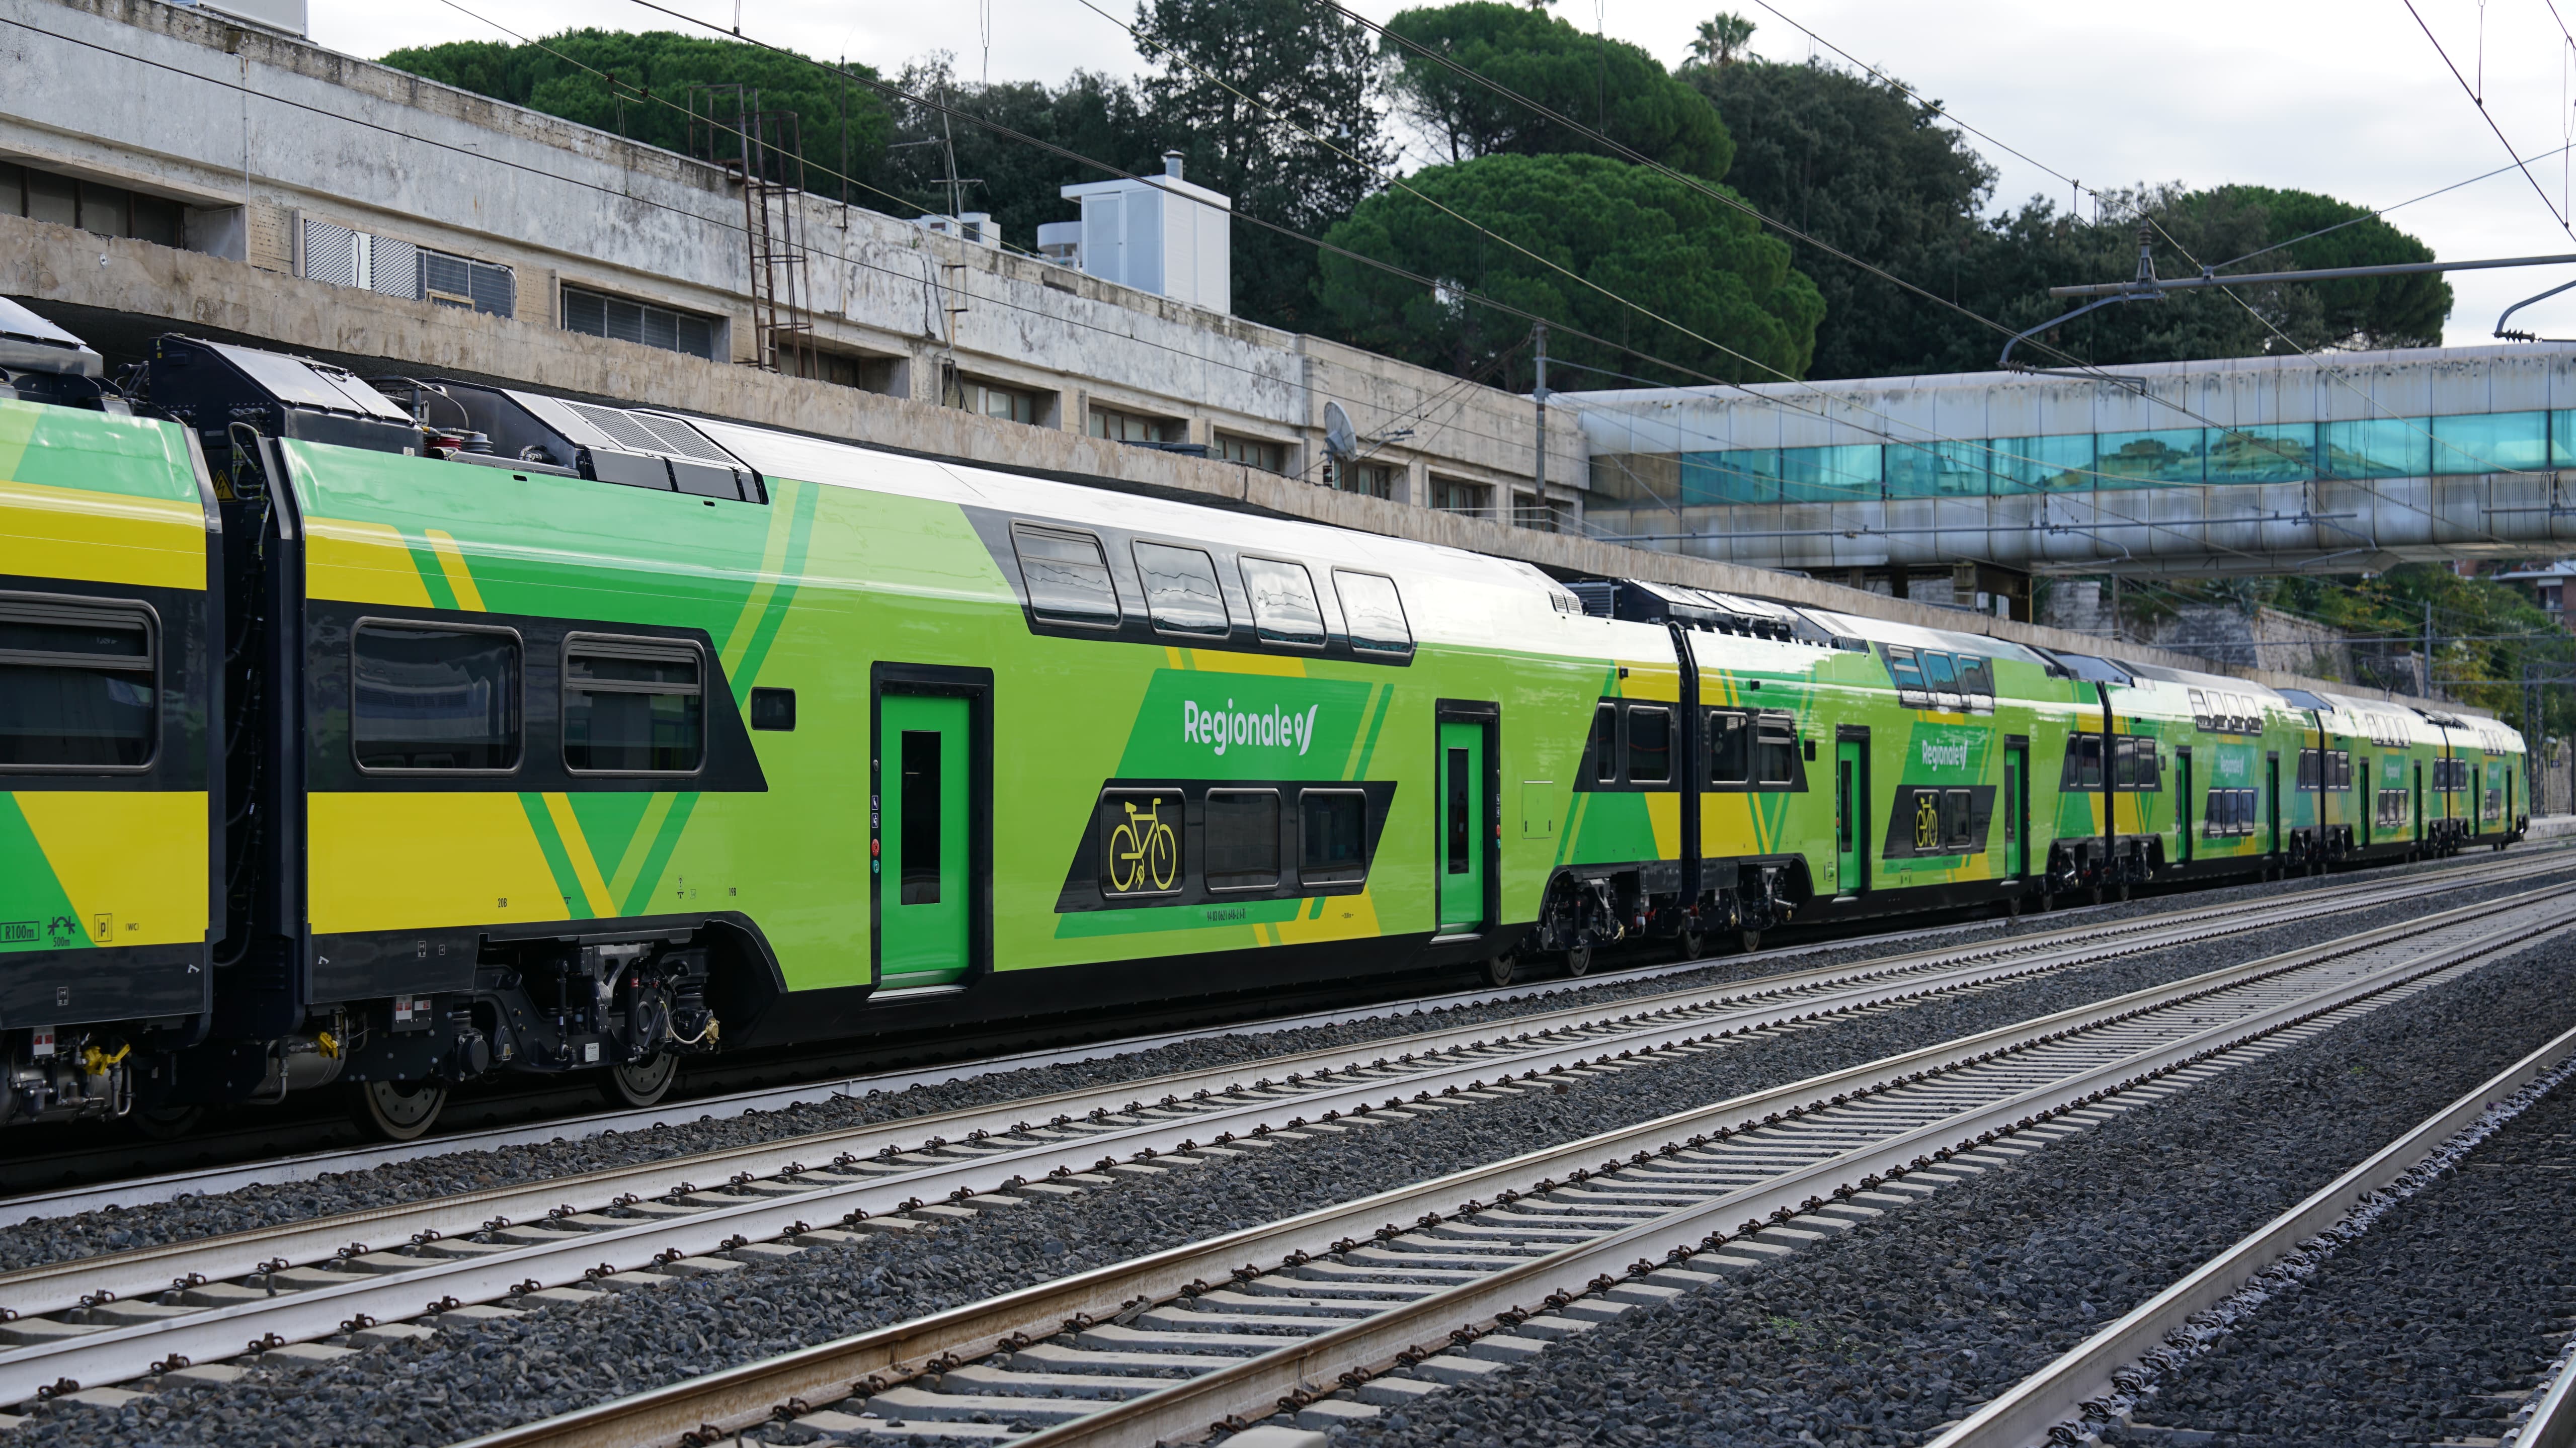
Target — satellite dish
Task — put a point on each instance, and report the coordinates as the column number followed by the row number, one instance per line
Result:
column 1340, row 438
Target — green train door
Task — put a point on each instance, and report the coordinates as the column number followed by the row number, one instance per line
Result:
column 1850, row 862
column 1462, row 838
column 2017, row 809
column 923, row 891
column 2182, row 803
column 2419, row 803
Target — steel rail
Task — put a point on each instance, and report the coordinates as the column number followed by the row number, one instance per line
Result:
column 140, row 1191
column 1259, row 1382
column 739, row 1396
column 2059, row 1392
column 1748, row 1005
column 2552, row 1423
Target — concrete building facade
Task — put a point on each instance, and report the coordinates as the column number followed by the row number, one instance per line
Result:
column 259, row 147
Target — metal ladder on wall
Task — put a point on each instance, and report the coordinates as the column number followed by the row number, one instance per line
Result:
column 763, row 151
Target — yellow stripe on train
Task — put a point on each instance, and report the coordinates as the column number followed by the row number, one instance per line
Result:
column 102, row 537
column 131, row 862
column 418, row 861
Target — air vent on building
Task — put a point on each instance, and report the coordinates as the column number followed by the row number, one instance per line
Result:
column 344, row 256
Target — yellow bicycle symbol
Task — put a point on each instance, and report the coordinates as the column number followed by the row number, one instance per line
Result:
column 1927, row 821
column 1134, row 855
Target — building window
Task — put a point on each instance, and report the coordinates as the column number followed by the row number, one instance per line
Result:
column 1253, row 452
column 856, row 371
column 600, row 315
column 347, row 257
column 988, row 399
column 1539, row 515
column 1450, row 495
column 104, row 210
column 1377, row 480
column 1119, row 426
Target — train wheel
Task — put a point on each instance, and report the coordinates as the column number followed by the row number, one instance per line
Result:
column 1690, row 945
column 1578, row 961
column 1751, row 940
column 398, row 1110
column 1502, row 968
column 169, row 1123
column 643, row 1084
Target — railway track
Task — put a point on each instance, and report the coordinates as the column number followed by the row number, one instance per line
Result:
column 2117, row 1369
column 103, row 1176
column 1361, row 1311
column 112, row 1339
column 2135, row 933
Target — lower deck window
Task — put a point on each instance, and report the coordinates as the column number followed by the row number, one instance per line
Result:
column 434, row 698
column 1242, row 839
column 1333, row 826
column 1775, row 752
column 77, row 685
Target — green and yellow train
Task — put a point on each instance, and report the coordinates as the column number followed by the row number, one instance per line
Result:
column 391, row 735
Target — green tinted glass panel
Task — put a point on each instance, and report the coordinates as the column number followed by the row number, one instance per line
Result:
column 1748, row 475
column 2043, row 464
column 1828, row 474
column 2489, row 442
column 1937, row 470
column 2264, row 453
column 2131, row 459
column 2379, row 447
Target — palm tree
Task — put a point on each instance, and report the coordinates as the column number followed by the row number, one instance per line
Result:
column 1721, row 39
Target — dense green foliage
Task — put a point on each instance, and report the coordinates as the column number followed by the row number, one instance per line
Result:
column 1091, row 114
column 1861, row 166
column 2471, row 662
column 1273, row 98
column 637, row 85
column 1669, row 247
column 1610, row 86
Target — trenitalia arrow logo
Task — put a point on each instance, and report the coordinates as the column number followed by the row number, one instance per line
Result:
column 1228, row 728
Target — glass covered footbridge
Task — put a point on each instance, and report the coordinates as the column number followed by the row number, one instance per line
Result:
column 2345, row 463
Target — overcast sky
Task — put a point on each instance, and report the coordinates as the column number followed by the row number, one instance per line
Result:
column 2349, row 99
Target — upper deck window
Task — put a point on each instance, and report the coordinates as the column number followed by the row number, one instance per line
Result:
column 1284, row 609
column 1181, row 592
column 1068, row 579
column 1373, row 612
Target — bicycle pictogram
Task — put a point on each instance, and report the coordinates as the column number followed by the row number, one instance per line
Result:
column 1141, row 849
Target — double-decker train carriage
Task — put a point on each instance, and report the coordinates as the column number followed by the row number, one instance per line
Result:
column 112, row 718
column 507, row 732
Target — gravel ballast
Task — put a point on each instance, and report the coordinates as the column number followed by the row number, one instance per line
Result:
column 563, row 1356
column 35, row 1242
column 1890, row 1332
column 2434, row 1325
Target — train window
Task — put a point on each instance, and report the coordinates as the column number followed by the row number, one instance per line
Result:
column 1943, row 674
column 1181, row 592
column 78, row 686
column 2084, row 762
column 1776, row 749
column 1730, row 748
column 632, row 706
column 1068, row 579
column 1459, row 811
column 1333, row 826
column 1283, row 603
column 1958, row 822
column 919, row 824
column 1908, row 674
column 1650, row 745
column 1242, row 839
column 2199, row 709
column 434, row 698
column 1373, row 612
column 1605, row 744
column 1976, row 681
column 2307, row 769
column 2134, row 765
column 1139, row 834
column 773, row 709
column 2339, row 771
